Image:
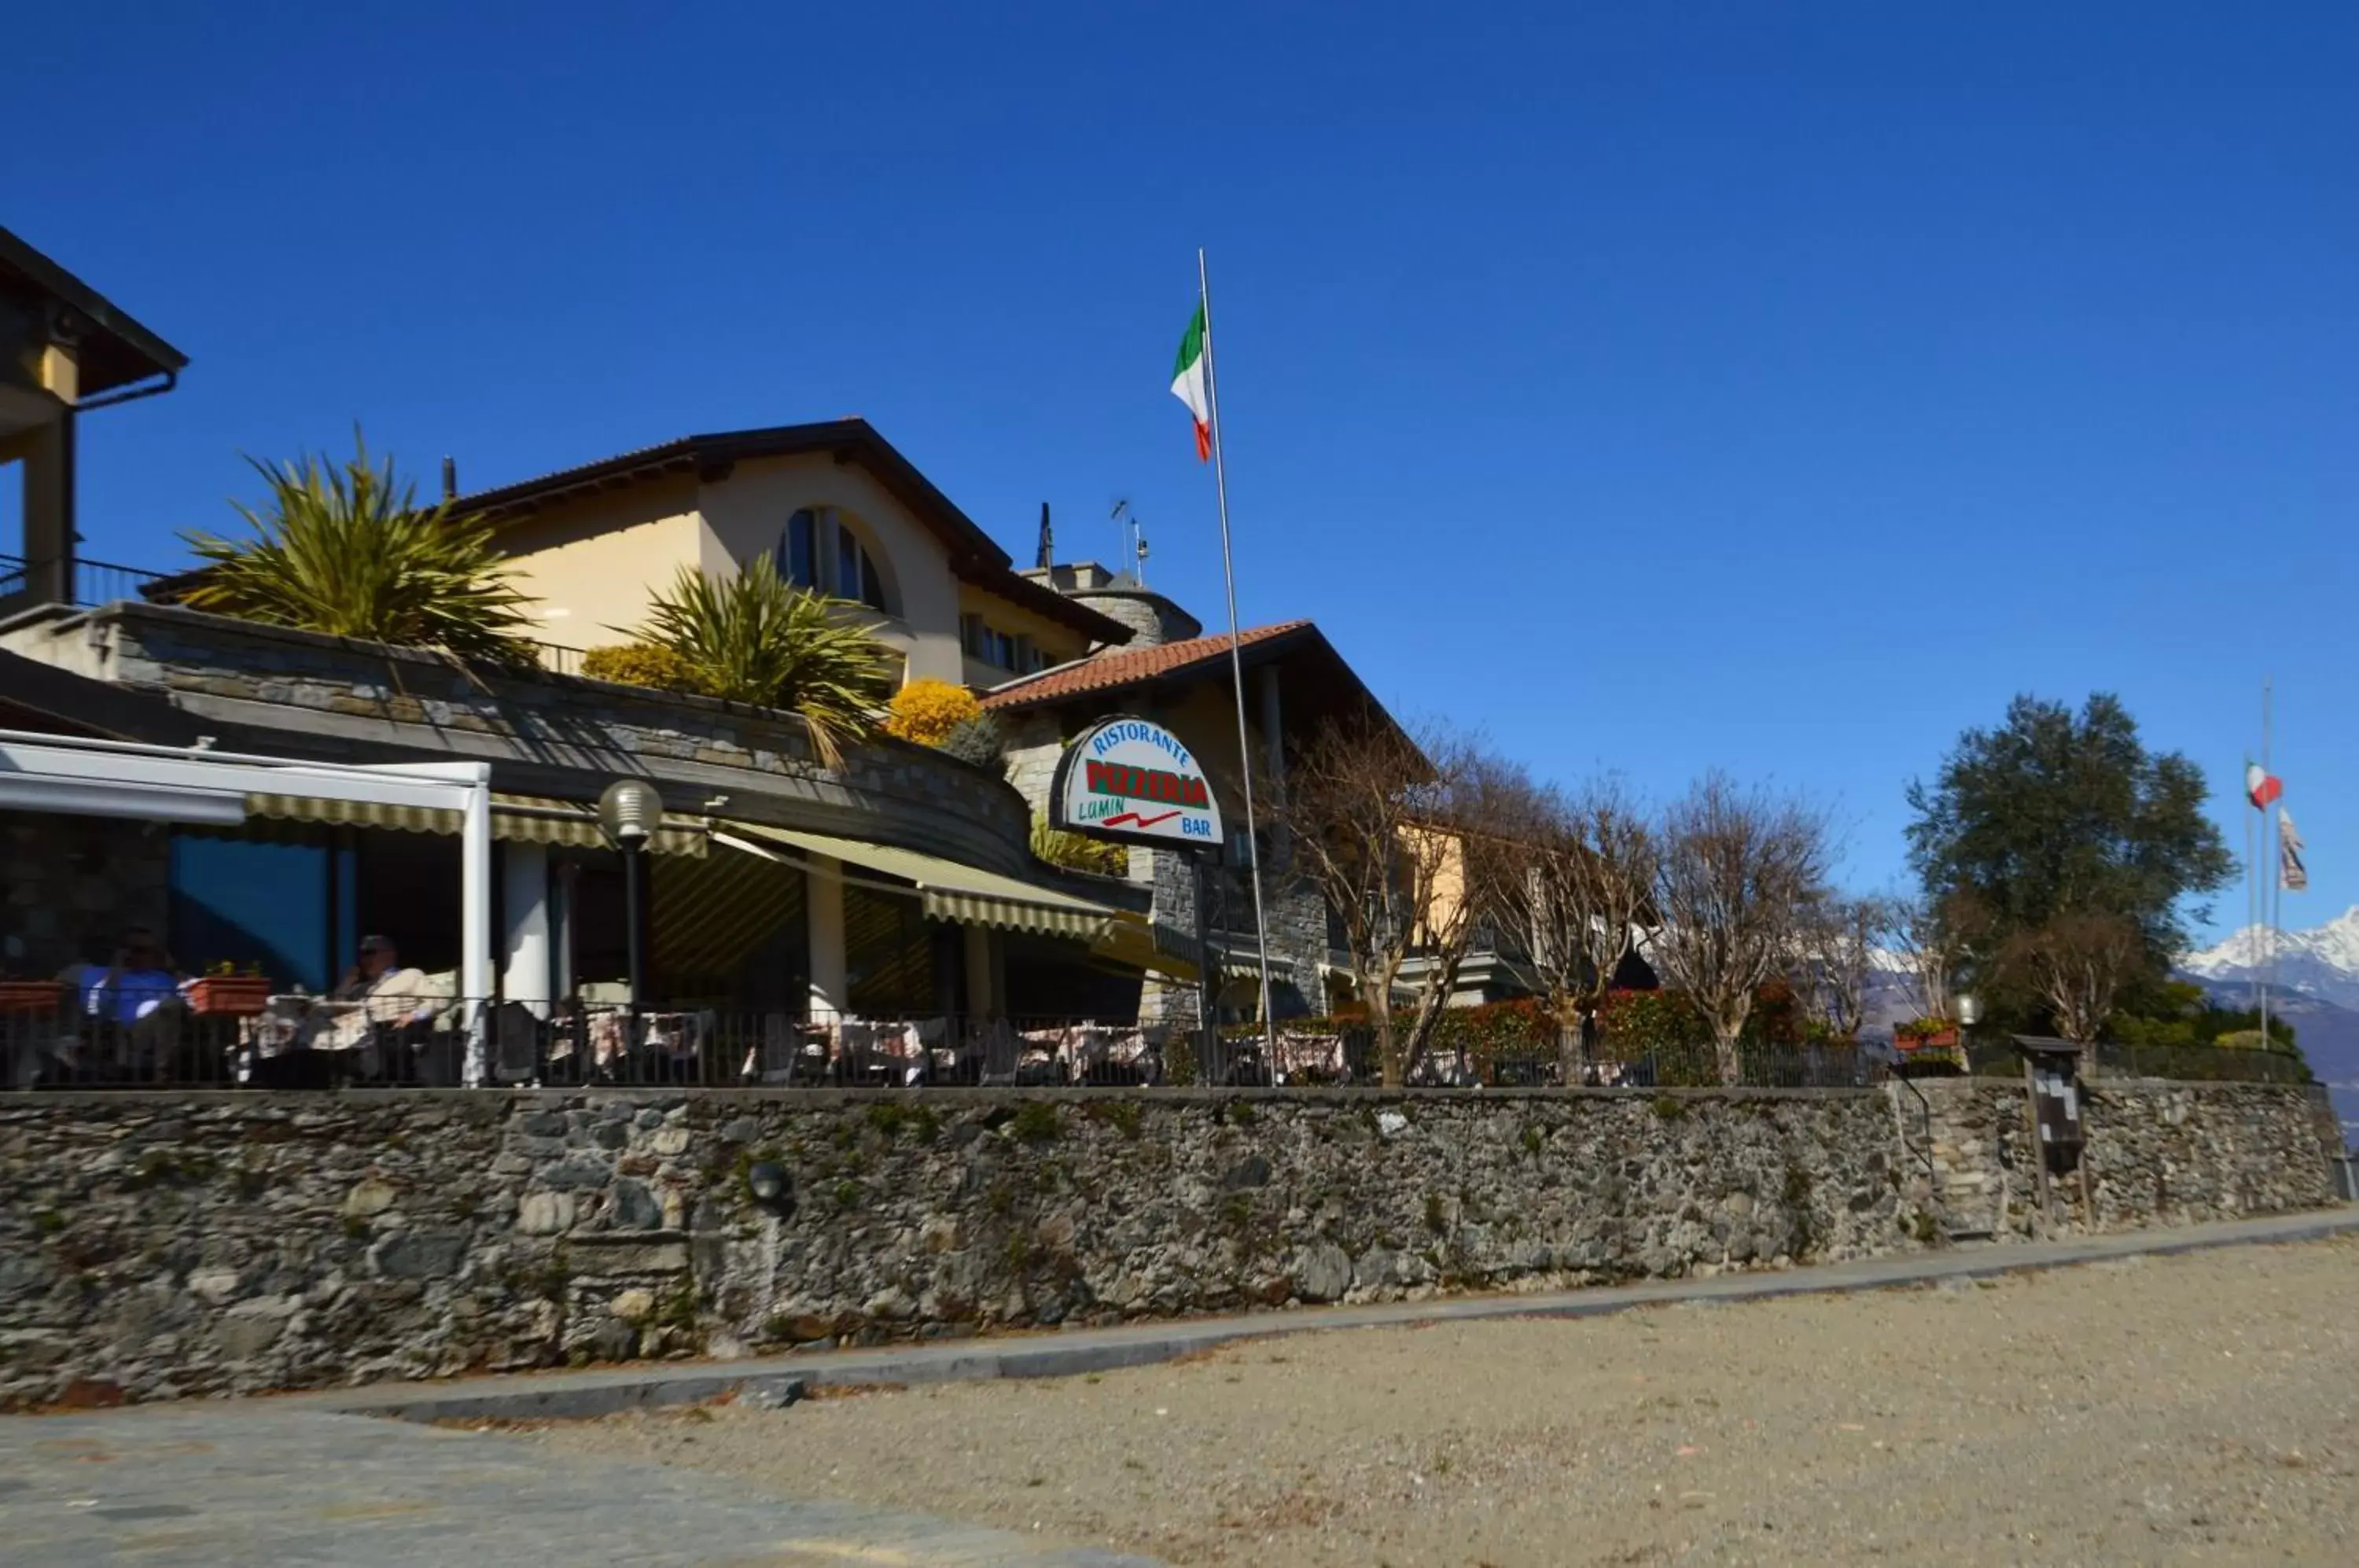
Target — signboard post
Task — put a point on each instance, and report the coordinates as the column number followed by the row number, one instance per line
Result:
column 1131, row 781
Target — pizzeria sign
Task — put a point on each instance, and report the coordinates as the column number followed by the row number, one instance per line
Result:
column 1128, row 779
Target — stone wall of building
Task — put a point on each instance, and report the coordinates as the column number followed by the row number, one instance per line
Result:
column 156, row 1245
column 73, row 885
column 2157, row 1154
column 299, row 693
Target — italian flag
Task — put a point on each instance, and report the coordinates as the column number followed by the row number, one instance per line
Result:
column 1191, row 386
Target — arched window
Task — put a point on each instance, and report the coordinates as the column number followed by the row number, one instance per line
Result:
column 820, row 552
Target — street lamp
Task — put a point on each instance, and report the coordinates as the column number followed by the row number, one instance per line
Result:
column 628, row 815
column 1970, row 1009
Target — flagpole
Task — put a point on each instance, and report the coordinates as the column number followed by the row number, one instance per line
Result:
column 2269, row 962
column 1236, row 662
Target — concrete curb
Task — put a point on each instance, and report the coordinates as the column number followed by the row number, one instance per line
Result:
column 572, row 1396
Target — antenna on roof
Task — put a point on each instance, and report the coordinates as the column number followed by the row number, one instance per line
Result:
column 449, row 478
column 1133, row 541
column 1048, row 541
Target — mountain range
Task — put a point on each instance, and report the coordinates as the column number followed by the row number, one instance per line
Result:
column 2313, row 985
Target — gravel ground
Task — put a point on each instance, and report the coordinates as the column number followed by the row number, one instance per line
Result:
column 2198, row 1408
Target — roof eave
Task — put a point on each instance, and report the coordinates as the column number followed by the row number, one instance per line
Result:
column 160, row 357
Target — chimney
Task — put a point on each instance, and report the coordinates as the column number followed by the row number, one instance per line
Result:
column 449, row 478
column 1048, row 541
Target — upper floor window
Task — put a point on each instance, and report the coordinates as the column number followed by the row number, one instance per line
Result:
column 820, row 551
column 986, row 643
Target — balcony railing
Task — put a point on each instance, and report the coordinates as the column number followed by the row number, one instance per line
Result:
column 93, row 582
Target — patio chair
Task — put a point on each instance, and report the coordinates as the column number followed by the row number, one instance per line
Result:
column 1001, row 1053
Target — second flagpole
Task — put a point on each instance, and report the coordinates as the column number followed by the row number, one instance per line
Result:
column 1236, row 664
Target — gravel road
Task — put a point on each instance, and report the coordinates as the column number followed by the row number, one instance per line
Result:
column 2194, row 1409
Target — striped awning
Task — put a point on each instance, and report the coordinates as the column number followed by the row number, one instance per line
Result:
column 1132, row 942
column 964, row 894
column 520, row 819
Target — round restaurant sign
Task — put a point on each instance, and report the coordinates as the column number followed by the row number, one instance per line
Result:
column 1126, row 778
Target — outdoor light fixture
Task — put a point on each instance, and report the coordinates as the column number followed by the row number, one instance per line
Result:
column 1970, row 1009
column 627, row 813
column 766, row 1183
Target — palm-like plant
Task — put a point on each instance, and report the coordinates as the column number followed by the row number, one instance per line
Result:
column 758, row 639
column 342, row 548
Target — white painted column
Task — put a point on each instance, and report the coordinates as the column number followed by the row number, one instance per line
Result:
column 823, row 920
column 524, row 891
column 475, row 921
column 980, row 995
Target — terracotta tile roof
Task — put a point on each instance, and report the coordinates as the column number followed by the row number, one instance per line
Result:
column 1128, row 667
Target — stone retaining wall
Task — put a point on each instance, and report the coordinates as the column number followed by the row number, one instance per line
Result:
column 162, row 1244
column 299, row 693
column 2157, row 1154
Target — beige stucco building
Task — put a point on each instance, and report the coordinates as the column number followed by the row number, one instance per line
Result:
column 65, row 350
column 837, row 507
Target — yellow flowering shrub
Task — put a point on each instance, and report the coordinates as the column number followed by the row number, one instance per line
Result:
column 928, row 710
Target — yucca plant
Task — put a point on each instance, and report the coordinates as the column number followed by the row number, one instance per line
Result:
column 342, row 548
column 758, row 639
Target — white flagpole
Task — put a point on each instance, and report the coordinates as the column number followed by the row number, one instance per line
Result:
column 1237, row 665
column 2269, row 844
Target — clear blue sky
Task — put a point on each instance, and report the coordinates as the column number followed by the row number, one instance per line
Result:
column 1777, row 387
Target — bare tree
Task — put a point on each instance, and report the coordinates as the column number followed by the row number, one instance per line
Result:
column 2078, row 962
column 1583, row 883
column 1932, row 945
column 1402, row 836
column 1739, row 869
column 1834, row 960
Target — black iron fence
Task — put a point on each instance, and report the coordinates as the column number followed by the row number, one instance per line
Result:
column 94, row 582
column 232, row 1035
column 2189, row 1063
column 228, row 1033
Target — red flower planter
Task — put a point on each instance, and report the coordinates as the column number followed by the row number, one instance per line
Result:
column 230, row 996
column 31, row 996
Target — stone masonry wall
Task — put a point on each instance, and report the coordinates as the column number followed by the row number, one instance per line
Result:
column 299, row 693
column 2157, row 1154
column 161, row 1244
column 69, row 886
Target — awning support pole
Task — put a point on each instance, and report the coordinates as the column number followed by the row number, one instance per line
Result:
column 475, row 921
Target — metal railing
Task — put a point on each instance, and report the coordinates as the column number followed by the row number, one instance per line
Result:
column 560, row 659
column 56, row 1037
column 94, row 582
column 2186, row 1063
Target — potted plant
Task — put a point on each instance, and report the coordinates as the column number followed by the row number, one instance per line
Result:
column 31, row 996
column 222, row 992
column 1927, row 1039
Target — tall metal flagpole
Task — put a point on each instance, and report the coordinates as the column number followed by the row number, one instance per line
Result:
column 2269, row 872
column 1236, row 662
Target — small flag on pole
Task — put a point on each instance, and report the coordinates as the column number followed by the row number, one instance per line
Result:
column 1187, row 384
column 2292, row 874
column 2261, row 786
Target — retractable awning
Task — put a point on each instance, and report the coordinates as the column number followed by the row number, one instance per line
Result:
column 965, row 895
column 520, row 819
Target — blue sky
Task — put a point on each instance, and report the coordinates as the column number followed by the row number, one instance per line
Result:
column 1781, row 387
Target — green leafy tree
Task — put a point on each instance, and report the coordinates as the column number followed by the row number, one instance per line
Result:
column 759, row 639
column 2041, row 830
column 342, row 548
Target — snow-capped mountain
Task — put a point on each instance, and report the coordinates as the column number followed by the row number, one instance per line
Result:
column 2322, row 961
column 2319, row 968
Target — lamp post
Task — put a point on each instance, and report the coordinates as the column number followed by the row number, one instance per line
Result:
column 1970, row 1013
column 628, row 815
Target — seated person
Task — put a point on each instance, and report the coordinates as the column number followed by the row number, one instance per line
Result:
column 136, row 1001
column 378, row 990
